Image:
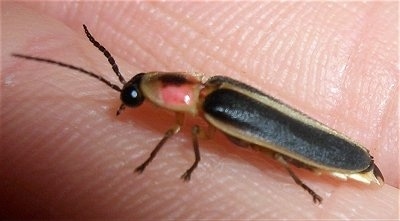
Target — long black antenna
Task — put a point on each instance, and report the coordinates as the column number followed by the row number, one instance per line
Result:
column 62, row 64
column 73, row 67
column 107, row 54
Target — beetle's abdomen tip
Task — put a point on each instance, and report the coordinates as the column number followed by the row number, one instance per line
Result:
column 379, row 177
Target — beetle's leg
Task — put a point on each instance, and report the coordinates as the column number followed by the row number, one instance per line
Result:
column 196, row 133
column 169, row 133
column 316, row 197
column 120, row 109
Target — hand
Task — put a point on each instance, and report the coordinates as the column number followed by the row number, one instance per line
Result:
column 66, row 155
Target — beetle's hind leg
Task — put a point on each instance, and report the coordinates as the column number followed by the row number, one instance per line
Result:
column 316, row 197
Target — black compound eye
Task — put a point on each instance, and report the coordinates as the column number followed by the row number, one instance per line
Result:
column 131, row 95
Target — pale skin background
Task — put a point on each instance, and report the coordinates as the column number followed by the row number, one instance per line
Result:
column 66, row 155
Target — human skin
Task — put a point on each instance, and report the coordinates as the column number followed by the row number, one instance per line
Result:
column 66, row 155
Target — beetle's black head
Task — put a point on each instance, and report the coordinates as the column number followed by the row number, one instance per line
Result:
column 131, row 95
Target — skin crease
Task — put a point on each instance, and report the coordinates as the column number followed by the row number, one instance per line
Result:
column 66, row 155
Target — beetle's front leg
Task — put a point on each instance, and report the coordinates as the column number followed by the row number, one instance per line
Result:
column 168, row 134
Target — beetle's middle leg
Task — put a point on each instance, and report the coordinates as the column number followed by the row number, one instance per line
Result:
column 197, row 132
